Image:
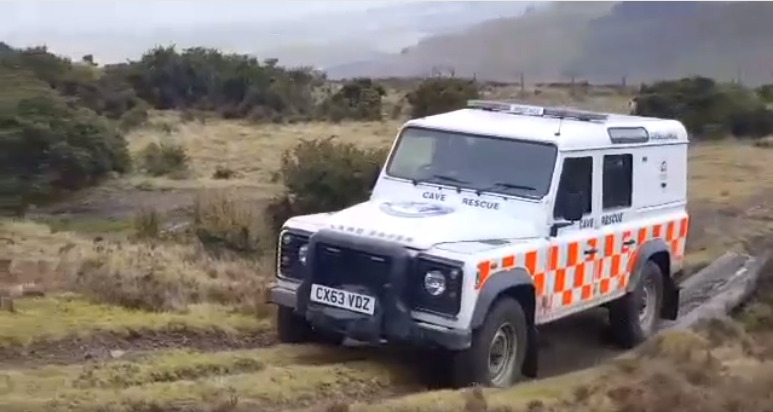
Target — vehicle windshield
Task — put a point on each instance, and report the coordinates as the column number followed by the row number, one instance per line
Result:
column 483, row 163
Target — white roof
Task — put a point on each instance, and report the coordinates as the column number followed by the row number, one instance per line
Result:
column 575, row 134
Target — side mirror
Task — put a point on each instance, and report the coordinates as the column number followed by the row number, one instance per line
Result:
column 573, row 206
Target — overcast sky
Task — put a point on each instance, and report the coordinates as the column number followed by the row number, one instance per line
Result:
column 83, row 16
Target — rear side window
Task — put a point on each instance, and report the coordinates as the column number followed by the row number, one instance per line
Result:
column 618, row 181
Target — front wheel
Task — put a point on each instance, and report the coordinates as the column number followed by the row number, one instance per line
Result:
column 498, row 349
column 292, row 328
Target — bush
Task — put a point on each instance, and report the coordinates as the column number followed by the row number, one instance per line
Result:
column 440, row 95
column 707, row 108
column 133, row 118
column 236, row 86
column 147, row 224
column 323, row 175
column 164, row 159
column 223, row 222
column 358, row 99
column 104, row 91
column 223, row 173
column 49, row 147
column 144, row 276
column 765, row 93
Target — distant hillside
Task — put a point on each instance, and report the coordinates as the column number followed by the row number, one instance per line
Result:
column 655, row 40
column 319, row 39
column 601, row 42
column 539, row 42
column 371, row 34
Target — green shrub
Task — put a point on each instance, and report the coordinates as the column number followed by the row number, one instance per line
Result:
column 323, row 175
column 358, row 99
column 49, row 147
column 765, row 92
column 233, row 85
column 223, row 173
column 707, row 108
column 134, row 118
column 164, row 159
column 224, row 222
column 441, row 94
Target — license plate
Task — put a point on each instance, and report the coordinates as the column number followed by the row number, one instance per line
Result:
column 343, row 299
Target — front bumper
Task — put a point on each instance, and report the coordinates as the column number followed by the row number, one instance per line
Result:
column 375, row 328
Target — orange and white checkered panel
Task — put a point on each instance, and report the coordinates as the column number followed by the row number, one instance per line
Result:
column 565, row 276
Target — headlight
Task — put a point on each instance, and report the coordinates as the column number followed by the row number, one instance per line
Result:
column 302, row 252
column 435, row 283
column 291, row 254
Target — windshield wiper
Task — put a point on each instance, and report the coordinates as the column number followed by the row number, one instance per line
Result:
column 506, row 185
column 457, row 182
column 450, row 179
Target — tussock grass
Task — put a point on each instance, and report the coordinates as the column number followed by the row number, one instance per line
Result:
column 249, row 383
column 62, row 316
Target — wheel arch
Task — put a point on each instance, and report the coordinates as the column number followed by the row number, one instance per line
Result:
column 514, row 283
column 657, row 252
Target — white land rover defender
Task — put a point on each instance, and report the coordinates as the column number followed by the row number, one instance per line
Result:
column 489, row 221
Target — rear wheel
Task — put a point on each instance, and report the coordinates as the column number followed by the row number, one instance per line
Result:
column 498, row 349
column 634, row 317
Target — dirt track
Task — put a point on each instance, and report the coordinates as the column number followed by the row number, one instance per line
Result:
column 98, row 347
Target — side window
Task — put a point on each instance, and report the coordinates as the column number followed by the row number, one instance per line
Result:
column 618, row 181
column 576, row 177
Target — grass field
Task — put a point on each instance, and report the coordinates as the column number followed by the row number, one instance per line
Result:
column 121, row 324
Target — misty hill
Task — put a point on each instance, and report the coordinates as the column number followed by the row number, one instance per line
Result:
column 377, row 32
column 656, row 40
column 319, row 39
column 601, row 42
column 496, row 49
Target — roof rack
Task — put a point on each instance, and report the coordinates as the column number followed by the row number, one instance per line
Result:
column 530, row 110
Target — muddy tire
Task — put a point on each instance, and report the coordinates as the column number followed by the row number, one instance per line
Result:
column 292, row 328
column 634, row 317
column 327, row 338
column 498, row 349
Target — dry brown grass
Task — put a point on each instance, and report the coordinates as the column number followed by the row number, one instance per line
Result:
column 726, row 172
column 253, row 151
column 730, row 189
column 142, row 275
column 139, row 285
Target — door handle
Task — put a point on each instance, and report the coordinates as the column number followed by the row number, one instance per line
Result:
column 591, row 251
column 629, row 242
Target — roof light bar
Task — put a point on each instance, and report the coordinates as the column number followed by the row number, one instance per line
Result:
column 529, row 110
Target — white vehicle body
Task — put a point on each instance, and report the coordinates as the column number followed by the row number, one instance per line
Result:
column 504, row 238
